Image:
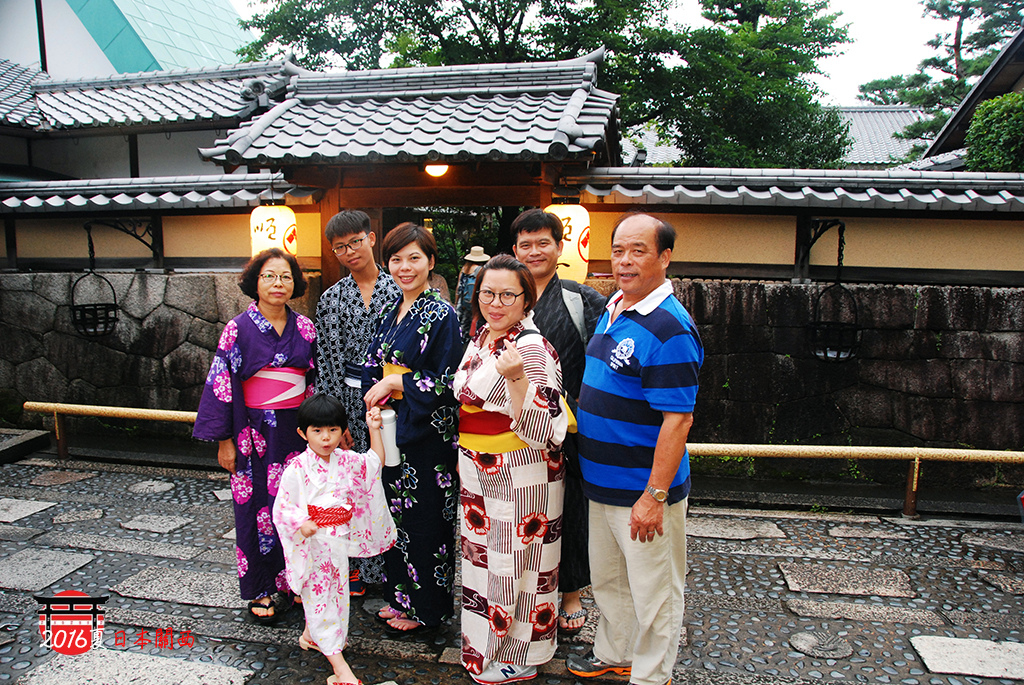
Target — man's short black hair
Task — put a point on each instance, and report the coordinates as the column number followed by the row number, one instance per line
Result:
column 346, row 222
column 322, row 410
column 533, row 220
column 664, row 232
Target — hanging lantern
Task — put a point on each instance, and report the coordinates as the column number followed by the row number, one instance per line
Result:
column 576, row 241
column 273, row 226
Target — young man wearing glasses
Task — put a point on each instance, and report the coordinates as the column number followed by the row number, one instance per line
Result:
column 346, row 318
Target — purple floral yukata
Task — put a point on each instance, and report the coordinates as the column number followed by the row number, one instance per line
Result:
column 265, row 438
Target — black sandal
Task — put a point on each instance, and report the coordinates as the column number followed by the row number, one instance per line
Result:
column 267, row 620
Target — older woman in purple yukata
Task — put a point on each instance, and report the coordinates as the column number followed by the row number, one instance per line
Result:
column 262, row 371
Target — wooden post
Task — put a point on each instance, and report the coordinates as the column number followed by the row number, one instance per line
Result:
column 910, row 498
column 60, row 430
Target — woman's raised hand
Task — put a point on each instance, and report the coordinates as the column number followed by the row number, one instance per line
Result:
column 510, row 363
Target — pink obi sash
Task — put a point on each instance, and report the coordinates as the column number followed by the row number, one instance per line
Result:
column 275, row 388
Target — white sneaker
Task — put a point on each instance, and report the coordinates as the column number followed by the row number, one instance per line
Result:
column 497, row 672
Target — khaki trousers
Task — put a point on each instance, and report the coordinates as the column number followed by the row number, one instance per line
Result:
column 638, row 586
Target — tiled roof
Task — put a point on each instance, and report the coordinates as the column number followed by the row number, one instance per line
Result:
column 154, row 98
column 872, row 128
column 172, row 192
column 17, row 107
column 531, row 111
column 805, row 188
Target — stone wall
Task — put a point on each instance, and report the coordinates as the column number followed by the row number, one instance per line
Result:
column 157, row 356
column 938, row 366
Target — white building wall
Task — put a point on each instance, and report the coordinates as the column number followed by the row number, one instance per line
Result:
column 85, row 157
column 176, row 154
column 71, row 51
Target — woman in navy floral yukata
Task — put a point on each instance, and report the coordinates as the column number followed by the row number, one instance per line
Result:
column 410, row 365
column 262, row 371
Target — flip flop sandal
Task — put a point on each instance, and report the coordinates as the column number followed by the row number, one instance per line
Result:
column 267, row 620
column 581, row 613
column 333, row 680
column 389, row 612
column 399, row 634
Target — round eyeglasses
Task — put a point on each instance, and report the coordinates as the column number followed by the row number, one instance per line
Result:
column 507, row 298
column 350, row 245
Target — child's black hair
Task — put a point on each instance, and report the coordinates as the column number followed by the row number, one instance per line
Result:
column 322, row 410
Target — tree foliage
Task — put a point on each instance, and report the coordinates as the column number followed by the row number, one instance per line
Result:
column 978, row 28
column 733, row 94
column 995, row 139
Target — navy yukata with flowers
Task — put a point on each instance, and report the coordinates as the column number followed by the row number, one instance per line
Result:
column 423, row 490
column 264, row 438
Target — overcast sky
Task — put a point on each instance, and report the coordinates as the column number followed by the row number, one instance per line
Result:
column 888, row 36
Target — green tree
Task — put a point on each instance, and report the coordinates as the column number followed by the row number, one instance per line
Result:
column 995, row 139
column 735, row 94
column 978, row 30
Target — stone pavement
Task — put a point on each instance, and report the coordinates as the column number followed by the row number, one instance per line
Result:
column 772, row 596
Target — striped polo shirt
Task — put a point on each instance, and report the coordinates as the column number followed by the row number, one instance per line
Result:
column 644, row 363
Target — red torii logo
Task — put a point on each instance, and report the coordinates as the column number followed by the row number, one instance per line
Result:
column 70, row 622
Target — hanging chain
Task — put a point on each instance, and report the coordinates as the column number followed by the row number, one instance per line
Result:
column 92, row 250
column 842, row 248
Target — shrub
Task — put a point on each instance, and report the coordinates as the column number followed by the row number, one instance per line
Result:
column 995, row 139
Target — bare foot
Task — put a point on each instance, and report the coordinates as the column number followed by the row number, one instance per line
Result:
column 571, row 605
column 388, row 613
column 342, row 672
column 404, row 623
column 263, row 607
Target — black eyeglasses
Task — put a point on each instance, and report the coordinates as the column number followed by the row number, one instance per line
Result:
column 350, row 245
column 507, row 298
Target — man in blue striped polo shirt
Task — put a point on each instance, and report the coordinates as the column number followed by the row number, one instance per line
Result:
column 635, row 413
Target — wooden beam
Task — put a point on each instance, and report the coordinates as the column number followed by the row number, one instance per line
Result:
column 442, row 197
column 330, row 269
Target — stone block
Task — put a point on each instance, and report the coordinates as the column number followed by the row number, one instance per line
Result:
column 747, row 339
column 86, row 358
column 162, row 398
column 6, row 374
column 1005, row 382
column 807, row 419
column 989, row 425
column 55, row 287
column 38, row 380
column 829, row 579
column 188, row 398
column 1002, row 346
column 22, row 309
column 959, row 345
column 970, row 379
column 932, row 420
column 929, row 378
column 708, row 417
column 162, row 331
column 746, row 374
column 789, row 305
column 887, row 343
column 205, row 334
column 145, row 295
column 865, row 405
column 20, row 345
column 747, row 422
column 119, row 396
column 713, row 376
column 187, row 365
column 146, row 371
column 886, row 306
column 194, row 294
column 231, row 301
column 33, row 569
column 82, row 392
column 971, row 657
column 942, row 308
column 790, row 341
column 12, row 510
column 125, row 334
column 1005, row 310
column 14, row 282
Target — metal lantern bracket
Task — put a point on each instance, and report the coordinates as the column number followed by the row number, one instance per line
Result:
column 95, row 319
column 835, row 340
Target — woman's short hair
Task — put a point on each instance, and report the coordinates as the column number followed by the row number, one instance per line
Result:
column 405, row 233
column 251, row 273
column 506, row 262
column 322, row 410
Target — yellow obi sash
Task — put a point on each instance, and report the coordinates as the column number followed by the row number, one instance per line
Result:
column 487, row 431
column 400, row 370
column 275, row 388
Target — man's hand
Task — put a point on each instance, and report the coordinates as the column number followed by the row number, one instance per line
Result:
column 645, row 519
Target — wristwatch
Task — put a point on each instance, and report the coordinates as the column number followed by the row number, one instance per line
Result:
column 658, row 495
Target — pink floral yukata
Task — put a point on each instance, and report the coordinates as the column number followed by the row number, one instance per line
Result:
column 317, row 566
column 264, row 438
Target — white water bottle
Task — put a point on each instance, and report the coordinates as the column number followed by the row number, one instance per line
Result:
column 388, row 434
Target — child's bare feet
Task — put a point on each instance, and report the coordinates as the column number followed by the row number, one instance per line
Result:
column 342, row 672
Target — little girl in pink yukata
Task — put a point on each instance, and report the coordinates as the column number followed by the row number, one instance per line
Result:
column 330, row 506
